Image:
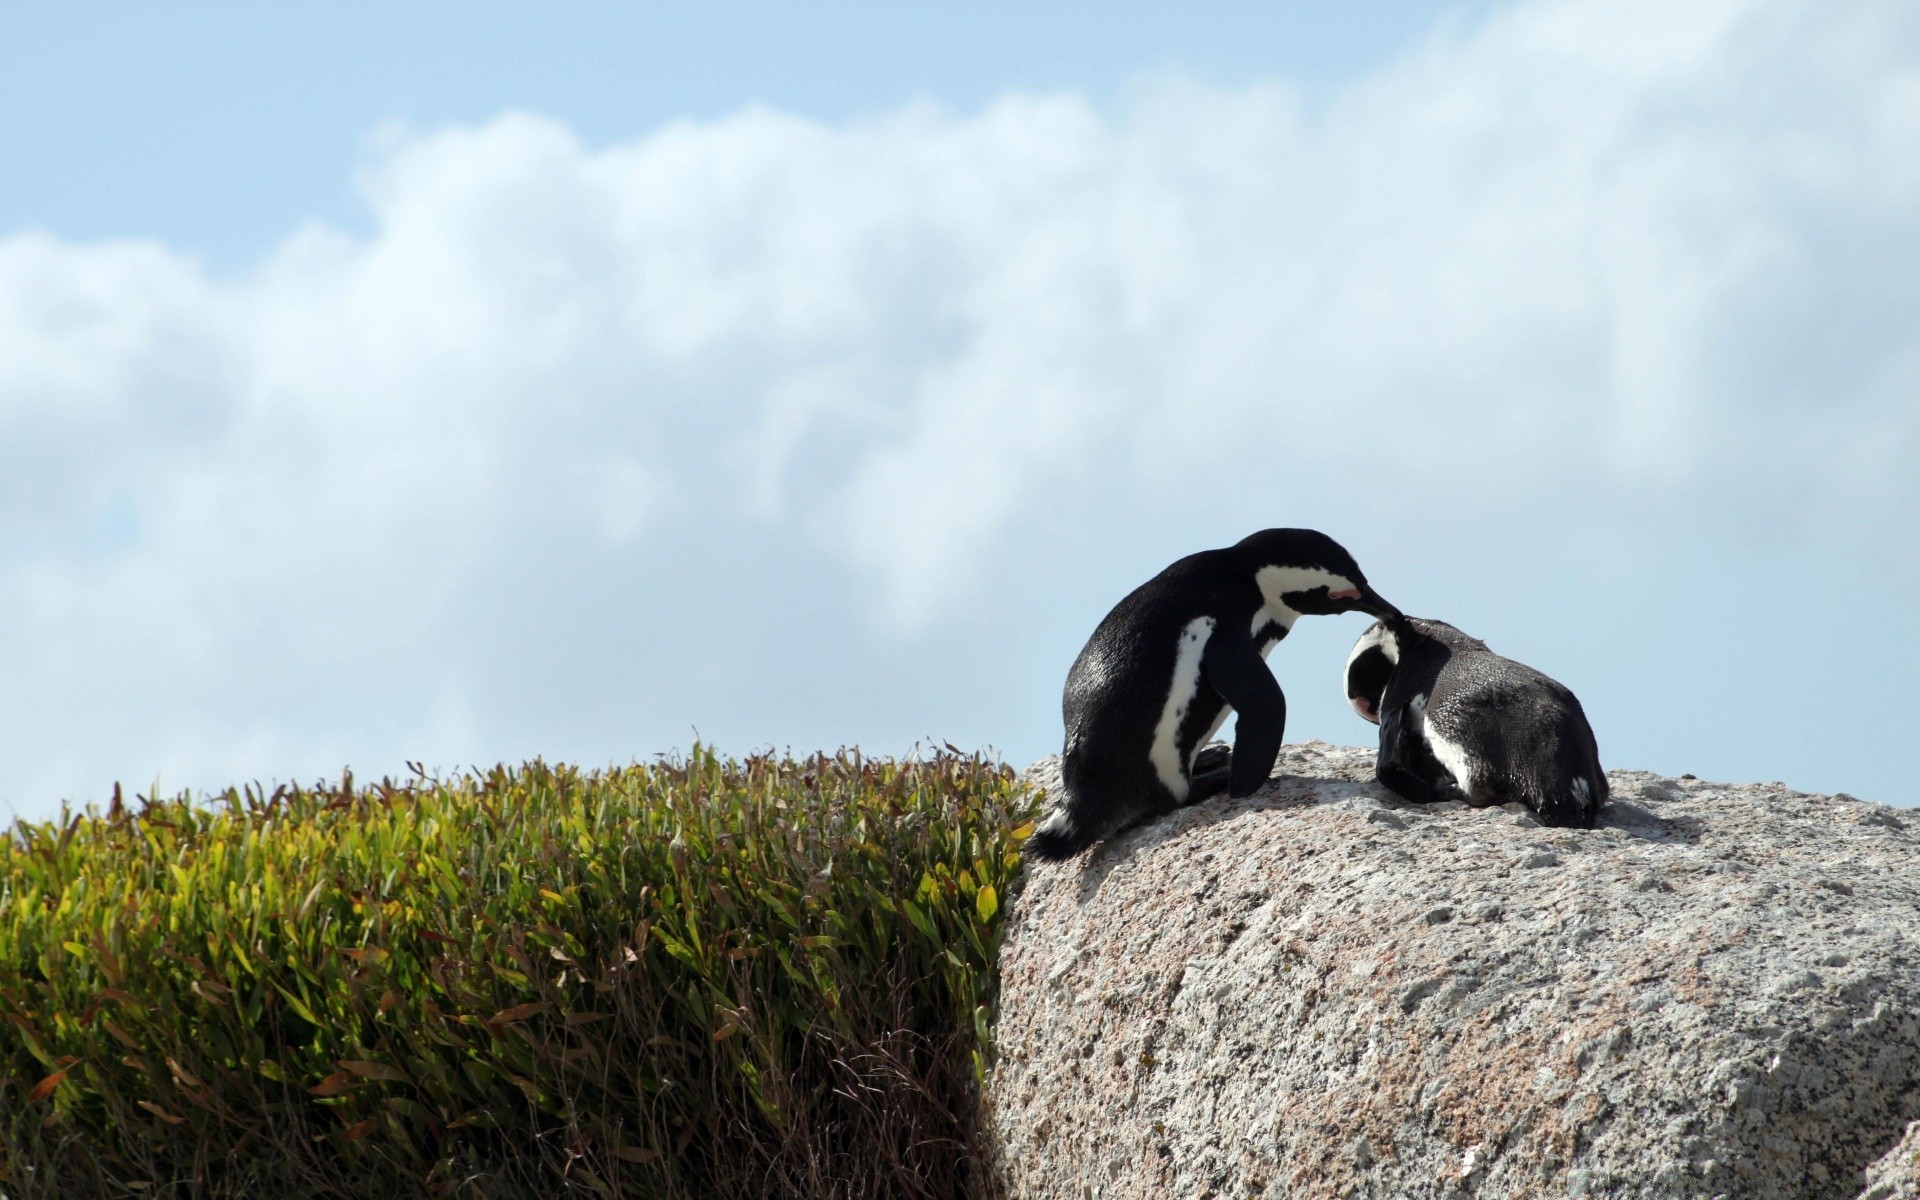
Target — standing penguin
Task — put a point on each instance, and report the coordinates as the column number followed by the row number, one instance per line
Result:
column 1157, row 677
column 1459, row 722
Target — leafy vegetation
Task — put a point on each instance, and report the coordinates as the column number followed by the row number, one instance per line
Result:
column 699, row 978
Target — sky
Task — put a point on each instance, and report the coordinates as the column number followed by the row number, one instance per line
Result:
column 472, row 384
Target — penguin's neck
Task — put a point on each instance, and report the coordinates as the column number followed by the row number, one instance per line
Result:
column 1271, row 623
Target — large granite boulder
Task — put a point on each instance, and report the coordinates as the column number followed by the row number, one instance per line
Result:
column 1897, row 1175
column 1324, row 991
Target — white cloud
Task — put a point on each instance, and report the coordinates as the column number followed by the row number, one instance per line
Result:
column 579, row 437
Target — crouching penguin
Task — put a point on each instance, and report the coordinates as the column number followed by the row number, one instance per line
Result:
column 1459, row 722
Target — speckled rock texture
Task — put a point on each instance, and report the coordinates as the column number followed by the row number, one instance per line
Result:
column 1324, row 991
column 1897, row 1175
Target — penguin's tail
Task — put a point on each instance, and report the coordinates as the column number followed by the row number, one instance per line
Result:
column 1575, row 804
column 1057, row 837
column 1066, row 831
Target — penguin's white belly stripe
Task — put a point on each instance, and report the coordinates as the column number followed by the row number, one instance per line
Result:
column 1165, row 752
column 1450, row 755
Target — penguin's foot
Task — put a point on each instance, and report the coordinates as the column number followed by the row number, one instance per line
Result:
column 1405, row 784
column 1214, row 756
column 1207, row 786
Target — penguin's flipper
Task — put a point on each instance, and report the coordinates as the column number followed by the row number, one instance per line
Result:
column 1235, row 669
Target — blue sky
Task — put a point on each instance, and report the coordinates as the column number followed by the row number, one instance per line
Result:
column 472, row 385
column 221, row 127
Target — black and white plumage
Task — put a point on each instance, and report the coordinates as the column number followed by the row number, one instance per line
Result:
column 1459, row 722
column 1158, row 675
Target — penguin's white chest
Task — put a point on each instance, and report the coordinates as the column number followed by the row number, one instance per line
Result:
column 1450, row 755
column 1181, row 688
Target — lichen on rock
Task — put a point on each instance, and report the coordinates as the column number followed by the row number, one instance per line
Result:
column 1321, row 990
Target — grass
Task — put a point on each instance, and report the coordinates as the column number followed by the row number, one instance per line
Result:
column 709, row 977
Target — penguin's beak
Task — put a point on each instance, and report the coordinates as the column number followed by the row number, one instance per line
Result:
column 1372, row 603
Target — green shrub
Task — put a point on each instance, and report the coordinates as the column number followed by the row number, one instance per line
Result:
column 709, row 978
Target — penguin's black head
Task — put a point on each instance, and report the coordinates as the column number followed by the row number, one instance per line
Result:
column 1370, row 665
column 1308, row 572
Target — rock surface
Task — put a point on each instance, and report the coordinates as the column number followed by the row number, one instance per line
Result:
column 1897, row 1175
column 1324, row 991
